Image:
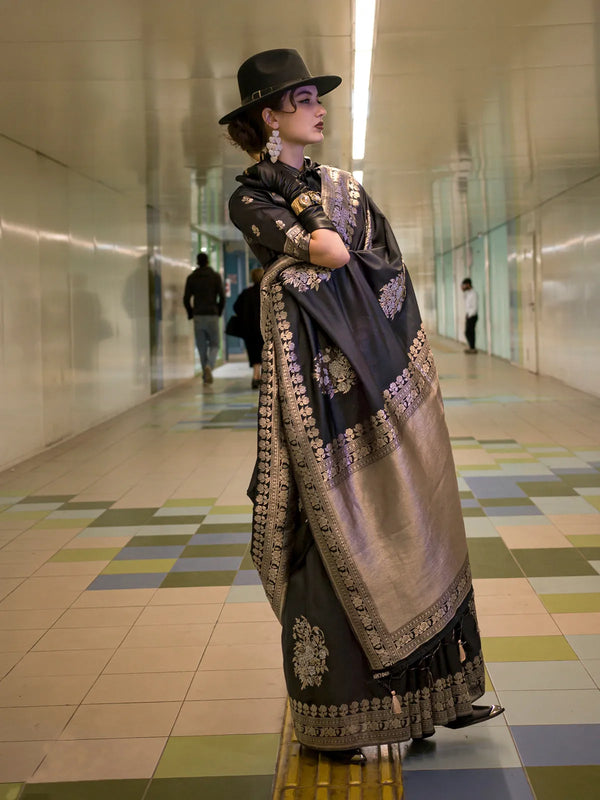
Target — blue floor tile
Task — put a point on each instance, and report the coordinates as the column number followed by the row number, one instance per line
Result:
column 247, row 577
column 458, row 784
column 220, row 538
column 512, row 511
column 558, row 745
column 137, row 553
column 495, row 487
column 138, row 580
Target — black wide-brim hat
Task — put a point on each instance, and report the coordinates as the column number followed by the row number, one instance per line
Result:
column 265, row 74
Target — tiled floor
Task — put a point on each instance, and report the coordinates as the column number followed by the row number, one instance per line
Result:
column 140, row 661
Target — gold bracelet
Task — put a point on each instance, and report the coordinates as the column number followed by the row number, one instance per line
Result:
column 305, row 200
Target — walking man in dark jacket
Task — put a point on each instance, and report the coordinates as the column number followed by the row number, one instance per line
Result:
column 204, row 301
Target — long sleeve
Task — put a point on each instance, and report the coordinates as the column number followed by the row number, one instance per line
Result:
column 187, row 298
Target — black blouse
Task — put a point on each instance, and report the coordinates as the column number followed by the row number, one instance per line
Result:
column 268, row 224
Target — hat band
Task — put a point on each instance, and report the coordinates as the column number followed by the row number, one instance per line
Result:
column 257, row 95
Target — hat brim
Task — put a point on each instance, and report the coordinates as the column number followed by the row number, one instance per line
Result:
column 323, row 83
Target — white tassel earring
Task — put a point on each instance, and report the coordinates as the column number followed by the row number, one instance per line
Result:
column 274, row 145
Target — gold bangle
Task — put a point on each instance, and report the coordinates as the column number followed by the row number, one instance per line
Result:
column 305, row 200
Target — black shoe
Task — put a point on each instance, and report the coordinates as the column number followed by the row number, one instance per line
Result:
column 354, row 756
column 255, row 383
column 479, row 714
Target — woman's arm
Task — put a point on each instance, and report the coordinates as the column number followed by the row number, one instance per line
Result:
column 326, row 249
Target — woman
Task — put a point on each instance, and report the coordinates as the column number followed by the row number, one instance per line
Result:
column 247, row 308
column 357, row 528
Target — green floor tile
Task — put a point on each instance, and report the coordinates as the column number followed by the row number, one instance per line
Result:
column 546, row 488
column 81, row 554
column 20, row 515
column 571, row 603
column 582, row 480
column 143, row 565
column 473, row 512
column 247, row 562
column 115, row 517
column 466, row 495
column 190, row 501
column 208, row 578
column 236, row 527
column 72, row 506
column 213, row 550
column 205, row 756
column 552, row 562
column 226, row 787
column 48, row 498
column 593, row 501
column 590, row 553
column 490, row 558
column 527, row 648
column 86, row 790
column 158, row 541
column 10, row 791
column 593, row 540
column 565, row 783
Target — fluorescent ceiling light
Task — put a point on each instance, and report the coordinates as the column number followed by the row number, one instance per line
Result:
column 364, row 29
column 358, row 175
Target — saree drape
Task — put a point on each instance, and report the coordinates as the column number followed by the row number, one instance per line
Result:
column 355, row 483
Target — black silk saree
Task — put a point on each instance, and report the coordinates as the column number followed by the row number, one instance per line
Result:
column 357, row 534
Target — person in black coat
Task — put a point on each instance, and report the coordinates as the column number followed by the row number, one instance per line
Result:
column 247, row 308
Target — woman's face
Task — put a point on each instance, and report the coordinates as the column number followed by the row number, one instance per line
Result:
column 304, row 124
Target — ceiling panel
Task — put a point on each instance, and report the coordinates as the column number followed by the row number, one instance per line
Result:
column 502, row 94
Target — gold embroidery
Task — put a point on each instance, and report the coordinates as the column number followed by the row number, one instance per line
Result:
column 373, row 720
column 333, row 372
column 247, row 200
column 393, row 294
column 280, row 224
column 304, row 278
column 310, row 653
column 340, row 193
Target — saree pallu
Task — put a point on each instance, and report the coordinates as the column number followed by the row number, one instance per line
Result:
column 357, row 528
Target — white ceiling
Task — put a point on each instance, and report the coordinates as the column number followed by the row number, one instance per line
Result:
column 502, row 92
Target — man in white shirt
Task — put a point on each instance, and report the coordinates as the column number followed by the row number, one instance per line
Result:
column 471, row 313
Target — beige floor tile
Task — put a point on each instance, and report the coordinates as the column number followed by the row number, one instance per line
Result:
column 490, row 604
column 100, row 759
column 168, row 636
column 22, row 620
column 62, row 662
column 246, row 633
column 247, row 612
column 109, row 598
column 57, row 690
column 20, row 641
column 8, row 662
column 140, row 687
column 91, row 569
column 49, row 540
column 475, row 455
column 84, row 543
column 154, row 659
column 124, row 720
column 574, row 624
column 19, row 760
column 180, row 615
column 82, row 638
column 530, row 536
column 231, row 684
column 98, row 617
column 7, row 587
column 576, row 524
column 192, row 595
column 514, row 587
column 518, row 625
column 222, row 717
column 34, row 724
column 248, row 656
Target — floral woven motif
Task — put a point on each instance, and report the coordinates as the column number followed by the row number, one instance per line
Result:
column 310, row 653
column 333, row 372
